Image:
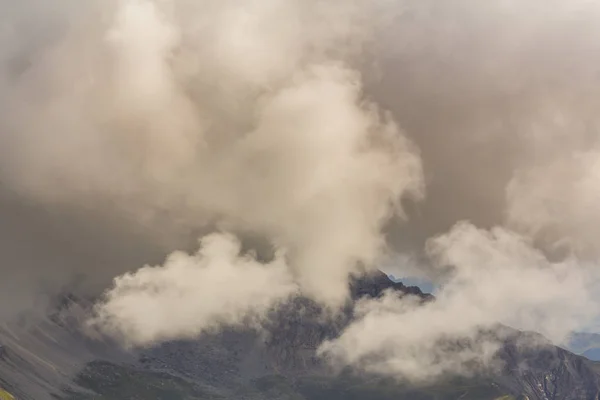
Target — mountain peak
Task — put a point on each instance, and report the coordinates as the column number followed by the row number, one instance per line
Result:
column 376, row 283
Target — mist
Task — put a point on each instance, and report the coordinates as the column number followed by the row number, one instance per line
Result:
column 283, row 148
column 341, row 136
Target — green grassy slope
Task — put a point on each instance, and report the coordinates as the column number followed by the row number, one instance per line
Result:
column 4, row 395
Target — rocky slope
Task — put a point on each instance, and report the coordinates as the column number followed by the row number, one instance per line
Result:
column 52, row 359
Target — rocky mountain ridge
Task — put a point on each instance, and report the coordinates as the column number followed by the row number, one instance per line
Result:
column 54, row 360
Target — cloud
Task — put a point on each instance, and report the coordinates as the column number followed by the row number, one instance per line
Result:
column 495, row 277
column 129, row 128
column 561, row 212
column 178, row 118
column 194, row 293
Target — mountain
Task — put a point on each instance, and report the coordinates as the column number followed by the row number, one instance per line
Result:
column 54, row 360
column 592, row 354
column 423, row 284
column 586, row 344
